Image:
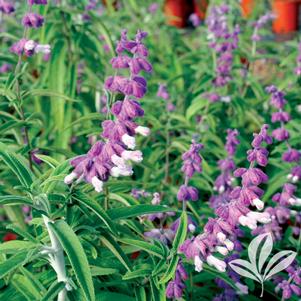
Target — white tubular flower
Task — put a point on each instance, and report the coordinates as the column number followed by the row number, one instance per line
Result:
column 118, row 160
column 142, row 130
column 30, row 45
column 259, row 204
column 295, row 179
column 217, row 263
column 198, row 263
column 221, row 189
column 129, row 141
column 191, row 228
column 248, row 222
column 289, row 176
column 297, row 202
column 221, row 236
column 222, row 250
column 156, row 199
column 229, row 244
column 292, row 201
column 135, row 156
column 262, row 217
column 98, row 185
column 45, row 49
column 70, row 178
column 118, row 171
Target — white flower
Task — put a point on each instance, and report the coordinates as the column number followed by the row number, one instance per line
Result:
column 221, row 236
column 98, row 185
column 222, row 250
column 156, row 199
column 120, row 170
column 129, row 141
column 142, row 130
column 46, row 49
column 262, row 217
column 259, row 204
column 229, row 244
column 118, row 160
column 221, row 189
column 191, row 228
column 29, row 45
column 217, row 263
column 135, row 156
column 198, row 263
column 69, row 178
column 248, row 222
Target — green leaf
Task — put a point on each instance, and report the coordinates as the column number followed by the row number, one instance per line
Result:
column 181, row 232
column 136, row 210
column 14, row 200
column 111, row 244
column 76, row 255
column 170, row 270
column 110, row 296
column 82, row 199
column 100, row 271
column 13, row 263
column 53, row 291
column 13, row 245
column 25, row 287
column 13, row 161
column 142, row 272
column 149, row 248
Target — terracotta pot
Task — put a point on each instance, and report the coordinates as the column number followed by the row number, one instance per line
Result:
column 247, row 7
column 200, row 8
column 177, row 12
column 286, row 16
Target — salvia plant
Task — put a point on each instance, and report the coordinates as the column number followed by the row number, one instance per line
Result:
column 140, row 161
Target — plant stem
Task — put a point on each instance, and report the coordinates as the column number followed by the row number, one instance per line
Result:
column 57, row 259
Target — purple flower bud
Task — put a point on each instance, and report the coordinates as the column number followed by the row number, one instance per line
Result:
column 291, row 155
column 6, row 7
column 281, row 134
column 192, row 160
column 33, row 20
column 162, row 92
column 187, row 193
column 280, row 117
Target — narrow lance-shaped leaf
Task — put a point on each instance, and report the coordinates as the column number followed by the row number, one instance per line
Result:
column 76, row 255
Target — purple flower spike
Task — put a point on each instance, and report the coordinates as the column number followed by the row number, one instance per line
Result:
column 291, row 155
column 192, row 160
column 114, row 156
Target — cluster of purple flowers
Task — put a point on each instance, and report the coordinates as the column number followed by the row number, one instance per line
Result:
column 113, row 156
column 223, row 41
column 163, row 93
column 192, row 163
column 292, row 286
column 31, row 20
column 223, row 183
column 282, row 213
column 220, row 232
column 260, row 23
column 176, row 286
column 6, row 7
